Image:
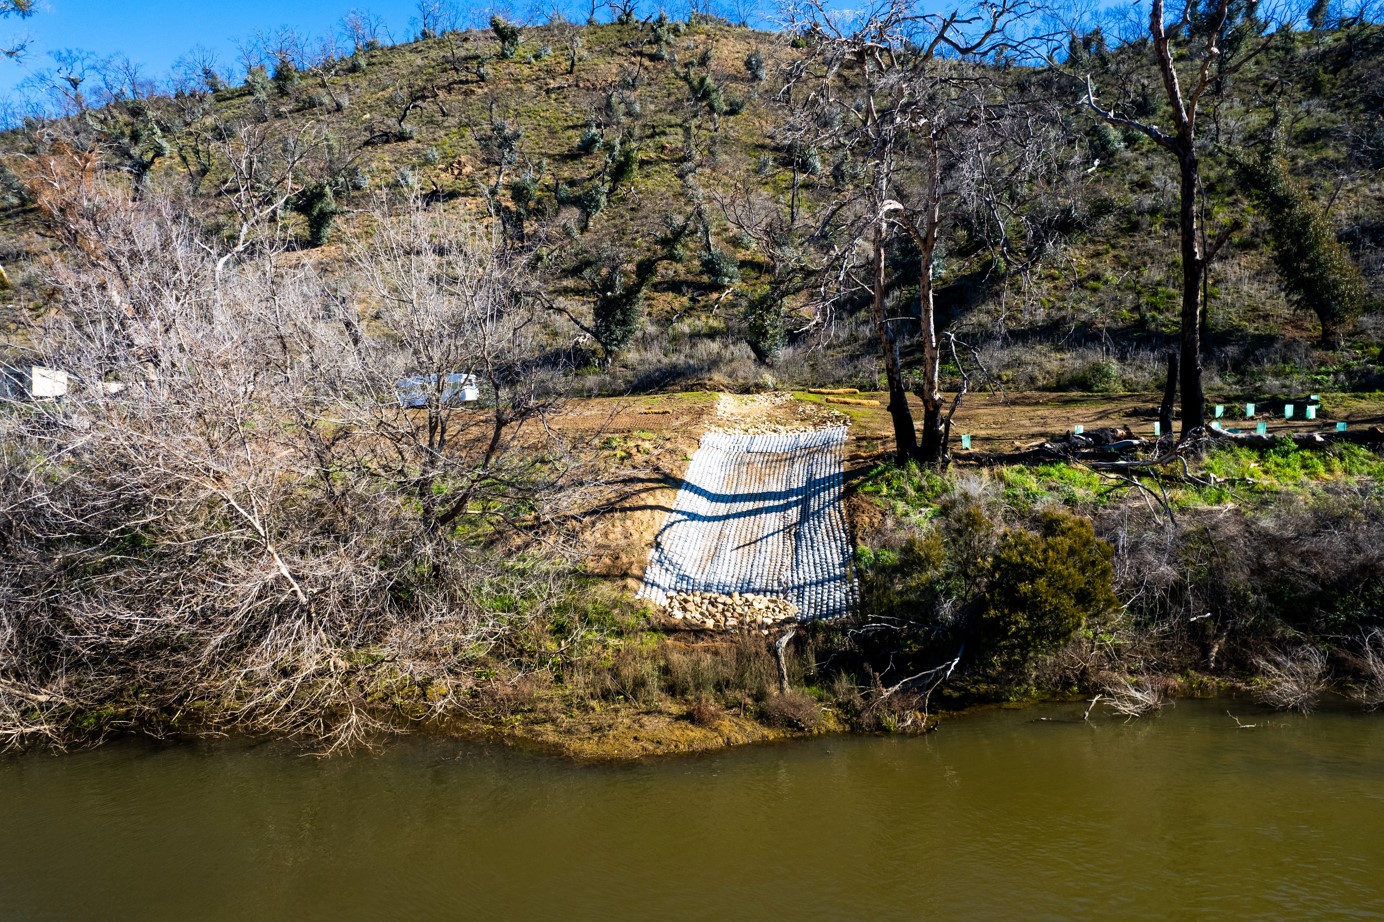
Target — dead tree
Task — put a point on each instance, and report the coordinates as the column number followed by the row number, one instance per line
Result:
column 1187, row 51
column 899, row 81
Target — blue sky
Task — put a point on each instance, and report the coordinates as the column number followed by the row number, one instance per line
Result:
column 155, row 33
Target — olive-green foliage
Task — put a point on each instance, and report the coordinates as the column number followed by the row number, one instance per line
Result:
column 722, row 269
column 619, row 297
column 592, row 201
column 1100, row 377
column 909, row 579
column 257, row 79
column 766, row 326
column 508, row 34
column 1317, row 271
column 523, row 190
column 963, row 581
column 705, row 90
column 619, row 306
column 754, row 65
column 1041, row 587
column 286, row 76
column 624, row 165
column 590, row 140
column 318, row 205
column 1105, row 141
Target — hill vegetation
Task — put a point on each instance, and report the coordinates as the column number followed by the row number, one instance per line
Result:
column 657, row 176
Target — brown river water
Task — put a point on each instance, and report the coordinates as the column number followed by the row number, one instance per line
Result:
column 1004, row 814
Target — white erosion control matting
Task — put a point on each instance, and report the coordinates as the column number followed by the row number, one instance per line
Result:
column 759, row 514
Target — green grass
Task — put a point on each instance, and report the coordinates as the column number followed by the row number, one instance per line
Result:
column 1231, row 474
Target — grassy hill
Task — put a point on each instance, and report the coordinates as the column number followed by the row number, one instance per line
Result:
column 595, row 147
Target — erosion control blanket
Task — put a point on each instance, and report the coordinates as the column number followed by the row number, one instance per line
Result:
column 759, row 514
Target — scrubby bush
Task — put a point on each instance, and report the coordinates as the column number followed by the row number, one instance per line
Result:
column 1105, row 141
column 590, row 140
column 963, row 582
column 624, row 165
column 1317, row 271
column 286, row 76
column 257, row 79
column 766, row 326
column 1100, row 377
column 754, row 65
column 793, row 711
column 721, row 268
column 592, row 201
column 317, row 205
column 1041, row 587
column 508, row 34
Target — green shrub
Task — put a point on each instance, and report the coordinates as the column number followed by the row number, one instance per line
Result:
column 754, row 65
column 318, row 205
column 286, row 76
column 1042, row 586
column 257, row 79
column 508, row 34
column 766, row 326
column 590, row 140
column 592, row 201
column 624, row 165
column 1100, row 377
column 1317, row 271
column 721, row 268
column 1105, row 141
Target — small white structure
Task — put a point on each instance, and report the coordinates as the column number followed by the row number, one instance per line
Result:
column 450, row 391
column 33, row 382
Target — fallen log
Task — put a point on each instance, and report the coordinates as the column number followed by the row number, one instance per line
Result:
column 1372, row 438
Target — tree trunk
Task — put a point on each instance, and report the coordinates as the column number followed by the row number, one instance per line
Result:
column 780, row 657
column 931, row 394
column 1193, row 398
column 1333, row 334
column 905, row 439
column 1165, row 411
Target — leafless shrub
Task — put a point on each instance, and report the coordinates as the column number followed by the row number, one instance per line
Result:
column 1371, row 693
column 705, row 712
column 232, row 524
column 794, row 711
column 1134, row 697
column 1292, row 681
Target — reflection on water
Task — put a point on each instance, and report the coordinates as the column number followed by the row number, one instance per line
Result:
column 1000, row 815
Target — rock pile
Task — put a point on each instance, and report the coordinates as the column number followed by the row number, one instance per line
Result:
column 739, row 611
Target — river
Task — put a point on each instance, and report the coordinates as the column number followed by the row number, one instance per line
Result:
column 1003, row 814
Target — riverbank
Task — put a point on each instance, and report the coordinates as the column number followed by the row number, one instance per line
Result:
column 1254, row 569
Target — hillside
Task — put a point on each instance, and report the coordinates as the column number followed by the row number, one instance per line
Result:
column 600, row 146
